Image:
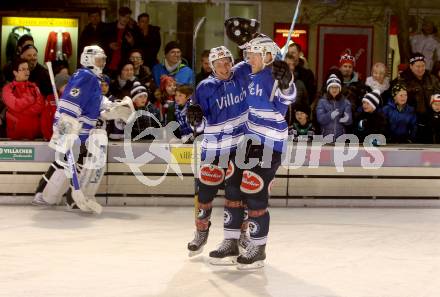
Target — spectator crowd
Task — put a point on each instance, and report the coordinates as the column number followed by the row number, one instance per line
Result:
column 404, row 110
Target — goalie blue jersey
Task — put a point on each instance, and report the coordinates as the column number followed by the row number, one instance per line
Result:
column 224, row 109
column 266, row 119
column 81, row 99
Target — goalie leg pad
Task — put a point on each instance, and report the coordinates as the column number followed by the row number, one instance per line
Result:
column 65, row 132
column 94, row 164
column 57, row 184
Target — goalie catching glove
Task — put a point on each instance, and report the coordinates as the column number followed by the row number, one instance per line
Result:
column 241, row 30
column 121, row 109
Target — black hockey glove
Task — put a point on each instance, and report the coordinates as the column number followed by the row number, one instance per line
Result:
column 241, row 30
column 281, row 73
column 194, row 115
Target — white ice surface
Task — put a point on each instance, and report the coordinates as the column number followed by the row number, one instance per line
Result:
column 141, row 252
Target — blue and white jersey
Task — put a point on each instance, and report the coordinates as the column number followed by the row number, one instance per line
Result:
column 185, row 129
column 81, row 99
column 266, row 119
column 224, row 110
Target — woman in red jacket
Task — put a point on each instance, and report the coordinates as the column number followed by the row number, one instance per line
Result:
column 24, row 104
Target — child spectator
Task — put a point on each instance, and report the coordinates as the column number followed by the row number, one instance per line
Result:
column 50, row 106
column 302, row 127
column 165, row 99
column 24, row 104
column 370, row 120
column 139, row 95
column 334, row 110
column 183, row 93
column 379, row 81
column 105, row 86
column 401, row 118
column 435, row 118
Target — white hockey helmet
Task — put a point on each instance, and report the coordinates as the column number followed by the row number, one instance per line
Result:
column 217, row 53
column 93, row 57
column 261, row 45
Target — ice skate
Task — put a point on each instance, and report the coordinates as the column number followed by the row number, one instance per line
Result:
column 252, row 258
column 226, row 254
column 195, row 246
column 244, row 240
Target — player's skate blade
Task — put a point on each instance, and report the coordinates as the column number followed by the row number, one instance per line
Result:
column 227, row 261
column 195, row 253
column 253, row 266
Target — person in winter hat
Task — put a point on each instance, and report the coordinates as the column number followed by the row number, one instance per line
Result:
column 401, row 117
column 139, row 95
column 173, row 66
column 302, row 127
column 352, row 86
column 333, row 112
column 370, row 120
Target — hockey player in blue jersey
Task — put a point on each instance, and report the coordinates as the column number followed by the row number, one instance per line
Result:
column 77, row 114
column 267, row 128
column 221, row 99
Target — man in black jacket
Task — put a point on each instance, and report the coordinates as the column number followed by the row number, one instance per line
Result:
column 149, row 41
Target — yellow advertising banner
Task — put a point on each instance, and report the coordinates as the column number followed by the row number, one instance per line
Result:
column 42, row 22
column 183, row 155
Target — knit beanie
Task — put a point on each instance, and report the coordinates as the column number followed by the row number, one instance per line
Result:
column 106, row 79
column 397, row 88
column 373, row 98
column 347, row 58
column 138, row 90
column 435, row 98
column 303, row 107
column 333, row 80
column 415, row 57
column 170, row 46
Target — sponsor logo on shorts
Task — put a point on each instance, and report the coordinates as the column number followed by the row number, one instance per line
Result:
column 251, row 183
column 211, row 175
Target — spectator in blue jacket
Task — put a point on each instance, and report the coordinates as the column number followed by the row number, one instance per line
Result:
column 400, row 116
column 173, row 66
column 334, row 110
column 183, row 93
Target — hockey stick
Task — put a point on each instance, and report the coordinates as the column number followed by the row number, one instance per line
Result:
column 194, row 56
column 82, row 201
column 289, row 36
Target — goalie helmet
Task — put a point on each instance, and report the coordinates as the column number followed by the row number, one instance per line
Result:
column 93, row 57
column 262, row 45
column 217, row 53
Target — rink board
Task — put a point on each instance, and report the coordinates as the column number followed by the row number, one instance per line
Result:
column 406, row 172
